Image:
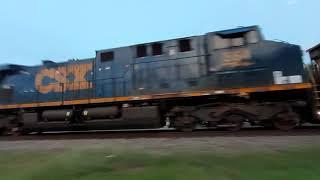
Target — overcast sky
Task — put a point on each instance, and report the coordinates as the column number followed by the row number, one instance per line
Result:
column 34, row 30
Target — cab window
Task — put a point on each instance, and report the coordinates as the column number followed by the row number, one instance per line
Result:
column 107, row 56
column 157, row 49
column 221, row 41
column 185, row 45
column 141, row 51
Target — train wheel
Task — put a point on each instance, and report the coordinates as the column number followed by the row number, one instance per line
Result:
column 4, row 131
column 8, row 131
column 286, row 121
column 5, row 128
column 234, row 122
column 24, row 132
column 185, row 123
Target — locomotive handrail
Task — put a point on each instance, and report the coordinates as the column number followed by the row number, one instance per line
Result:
column 110, row 87
column 172, row 59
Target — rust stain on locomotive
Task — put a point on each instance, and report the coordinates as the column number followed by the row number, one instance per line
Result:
column 237, row 58
column 61, row 81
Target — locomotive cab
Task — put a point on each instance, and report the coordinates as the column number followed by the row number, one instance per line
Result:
column 315, row 77
column 234, row 58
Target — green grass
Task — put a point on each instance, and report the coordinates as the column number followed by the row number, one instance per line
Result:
column 96, row 164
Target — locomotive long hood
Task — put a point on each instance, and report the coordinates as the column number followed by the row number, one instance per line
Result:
column 9, row 69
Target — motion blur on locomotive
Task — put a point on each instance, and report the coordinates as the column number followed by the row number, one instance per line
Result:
column 222, row 79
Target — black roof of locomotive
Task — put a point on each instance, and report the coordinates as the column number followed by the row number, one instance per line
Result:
column 314, row 48
column 227, row 32
column 237, row 30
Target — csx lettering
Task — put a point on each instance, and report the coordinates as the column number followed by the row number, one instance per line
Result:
column 237, row 58
column 60, row 76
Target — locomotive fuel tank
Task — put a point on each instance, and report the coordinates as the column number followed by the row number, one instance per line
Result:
column 101, row 113
column 146, row 115
column 57, row 115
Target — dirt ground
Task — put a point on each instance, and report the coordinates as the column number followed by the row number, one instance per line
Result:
column 164, row 145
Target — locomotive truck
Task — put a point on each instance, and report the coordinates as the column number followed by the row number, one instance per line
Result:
column 221, row 79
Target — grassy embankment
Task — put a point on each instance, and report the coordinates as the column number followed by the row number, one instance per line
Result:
column 103, row 164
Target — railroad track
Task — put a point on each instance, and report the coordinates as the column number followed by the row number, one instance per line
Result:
column 133, row 134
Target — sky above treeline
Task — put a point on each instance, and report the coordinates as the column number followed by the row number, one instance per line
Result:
column 58, row 30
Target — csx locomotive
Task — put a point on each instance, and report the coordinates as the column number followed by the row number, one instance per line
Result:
column 221, row 79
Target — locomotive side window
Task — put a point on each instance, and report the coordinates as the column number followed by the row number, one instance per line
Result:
column 237, row 42
column 141, row 51
column 252, row 37
column 185, row 45
column 107, row 56
column 222, row 41
column 157, row 49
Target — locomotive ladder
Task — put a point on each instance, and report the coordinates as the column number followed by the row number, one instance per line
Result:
column 316, row 92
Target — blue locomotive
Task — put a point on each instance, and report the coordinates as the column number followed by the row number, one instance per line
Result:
column 220, row 79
